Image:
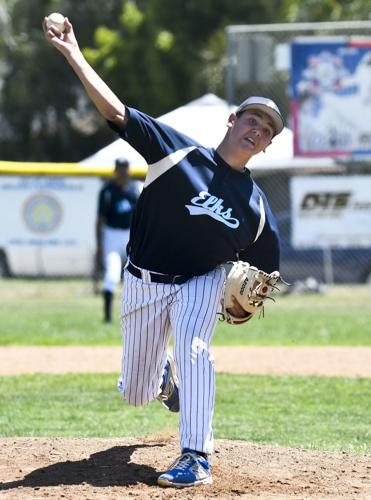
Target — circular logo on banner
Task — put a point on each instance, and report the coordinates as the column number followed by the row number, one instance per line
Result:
column 42, row 213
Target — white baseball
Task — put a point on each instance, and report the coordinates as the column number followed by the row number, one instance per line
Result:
column 57, row 20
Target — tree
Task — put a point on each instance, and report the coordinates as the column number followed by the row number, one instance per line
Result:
column 44, row 114
column 167, row 52
column 325, row 10
column 155, row 54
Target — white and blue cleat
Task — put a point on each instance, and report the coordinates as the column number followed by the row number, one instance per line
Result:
column 190, row 469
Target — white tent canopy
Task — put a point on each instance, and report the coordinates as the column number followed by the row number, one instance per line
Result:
column 205, row 120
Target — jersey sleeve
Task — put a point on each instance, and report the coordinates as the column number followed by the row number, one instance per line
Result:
column 265, row 252
column 151, row 138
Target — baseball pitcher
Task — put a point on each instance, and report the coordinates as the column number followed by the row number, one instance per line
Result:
column 202, row 227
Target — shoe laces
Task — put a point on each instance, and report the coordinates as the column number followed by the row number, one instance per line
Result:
column 183, row 461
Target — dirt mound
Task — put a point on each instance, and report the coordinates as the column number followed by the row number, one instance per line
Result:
column 87, row 469
column 83, row 469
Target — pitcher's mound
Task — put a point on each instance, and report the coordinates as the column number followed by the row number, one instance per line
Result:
column 82, row 469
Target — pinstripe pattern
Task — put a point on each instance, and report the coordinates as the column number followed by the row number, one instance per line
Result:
column 146, row 331
column 151, row 312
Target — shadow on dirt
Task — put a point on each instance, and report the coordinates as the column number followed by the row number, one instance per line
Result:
column 110, row 467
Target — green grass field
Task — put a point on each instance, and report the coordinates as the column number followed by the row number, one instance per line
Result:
column 307, row 412
column 67, row 312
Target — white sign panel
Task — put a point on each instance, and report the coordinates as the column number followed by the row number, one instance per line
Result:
column 331, row 211
column 48, row 224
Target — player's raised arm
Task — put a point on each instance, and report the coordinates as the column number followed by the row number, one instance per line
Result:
column 107, row 103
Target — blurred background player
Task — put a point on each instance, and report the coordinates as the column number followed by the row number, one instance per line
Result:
column 116, row 203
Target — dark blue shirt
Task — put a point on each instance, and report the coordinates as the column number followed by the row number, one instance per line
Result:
column 117, row 204
column 195, row 212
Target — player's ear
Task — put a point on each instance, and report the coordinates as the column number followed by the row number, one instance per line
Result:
column 231, row 120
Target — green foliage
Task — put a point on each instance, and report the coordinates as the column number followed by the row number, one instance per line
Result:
column 131, row 16
column 324, row 10
column 314, row 413
column 165, row 41
column 156, row 55
column 40, row 90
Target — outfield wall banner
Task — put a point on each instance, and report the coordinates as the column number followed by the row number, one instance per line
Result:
column 331, row 96
column 48, row 224
column 329, row 211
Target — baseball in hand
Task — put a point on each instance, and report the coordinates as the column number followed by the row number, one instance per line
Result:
column 57, row 20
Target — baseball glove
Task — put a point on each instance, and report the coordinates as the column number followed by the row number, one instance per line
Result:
column 250, row 287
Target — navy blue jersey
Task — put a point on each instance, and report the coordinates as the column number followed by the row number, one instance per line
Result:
column 116, row 204
column 195, row 212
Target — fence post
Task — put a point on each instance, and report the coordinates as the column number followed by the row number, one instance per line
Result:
column 328, row 265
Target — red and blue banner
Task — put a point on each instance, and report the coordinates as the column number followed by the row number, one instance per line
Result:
column 331, row 96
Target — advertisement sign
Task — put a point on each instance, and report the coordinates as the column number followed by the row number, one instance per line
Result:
column 48, row 224
column 331, row 96
column 331, row 211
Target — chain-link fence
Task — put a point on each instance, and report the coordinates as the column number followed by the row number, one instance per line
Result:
column 259, row 63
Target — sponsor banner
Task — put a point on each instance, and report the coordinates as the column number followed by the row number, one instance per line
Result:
column 331, row 96
column 331, row 211
column 48, row 210
column 48, row 224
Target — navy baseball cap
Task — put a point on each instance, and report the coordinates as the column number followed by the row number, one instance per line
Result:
column 122, row 162
column 263, row 104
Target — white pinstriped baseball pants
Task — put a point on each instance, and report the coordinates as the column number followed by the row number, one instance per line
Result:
column 151, row 312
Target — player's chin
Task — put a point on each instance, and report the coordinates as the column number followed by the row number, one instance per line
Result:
column 249, row 148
